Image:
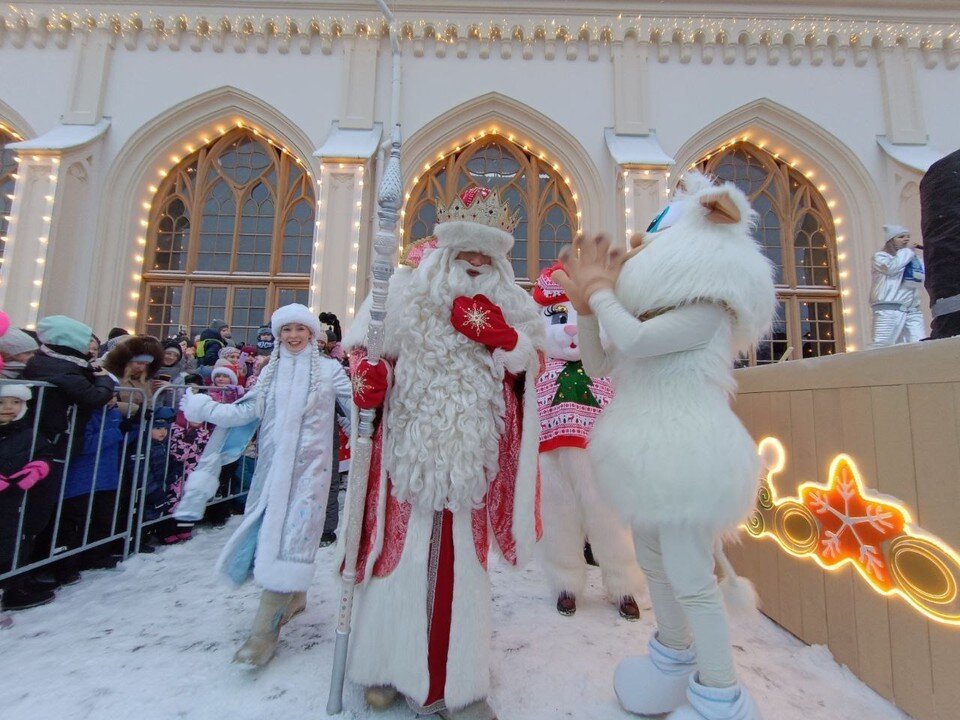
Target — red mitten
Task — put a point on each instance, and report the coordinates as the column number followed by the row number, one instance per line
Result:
column 482, row 321
column 32, row 473
column 369, row 384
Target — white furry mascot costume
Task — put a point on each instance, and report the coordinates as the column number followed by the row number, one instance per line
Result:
column 668, row 451
column 569, row 402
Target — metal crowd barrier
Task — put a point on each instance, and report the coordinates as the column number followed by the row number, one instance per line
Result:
column 59, row 534
column 130, row 513
column 234, row 480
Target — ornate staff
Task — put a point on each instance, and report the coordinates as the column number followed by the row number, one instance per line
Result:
column 389, row 199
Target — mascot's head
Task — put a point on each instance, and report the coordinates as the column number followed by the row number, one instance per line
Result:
column 559, row 317
column 700, row 248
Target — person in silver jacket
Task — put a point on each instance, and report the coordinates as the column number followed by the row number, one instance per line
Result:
column 895, row 293
column 293, row 406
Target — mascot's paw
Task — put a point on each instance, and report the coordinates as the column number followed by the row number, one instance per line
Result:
column 380, row 697
column 566, row 604
column 629, row 610
column 655, row 683
column 709, row 703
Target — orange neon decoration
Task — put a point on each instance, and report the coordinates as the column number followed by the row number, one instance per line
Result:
column 842, row 523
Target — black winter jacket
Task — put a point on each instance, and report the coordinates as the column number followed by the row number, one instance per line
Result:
column 75, row 384
column 212, row 347
column 16, row 441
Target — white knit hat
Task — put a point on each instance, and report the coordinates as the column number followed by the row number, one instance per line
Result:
column 891, row 231
column 224, row 370
column 16, row 341
column 294, row 313
column 17, row 390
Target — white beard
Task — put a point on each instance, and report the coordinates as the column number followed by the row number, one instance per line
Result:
column 446, row 409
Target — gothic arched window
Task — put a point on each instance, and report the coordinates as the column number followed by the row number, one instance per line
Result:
column 230, row 237
column 795, row 230
column 548, row 211
column 8, row 169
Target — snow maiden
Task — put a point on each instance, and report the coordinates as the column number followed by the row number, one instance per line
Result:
column 293, row 405
column 668, row 450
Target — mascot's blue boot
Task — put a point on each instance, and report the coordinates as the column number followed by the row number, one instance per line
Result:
column 654, row 683
column 710, row 703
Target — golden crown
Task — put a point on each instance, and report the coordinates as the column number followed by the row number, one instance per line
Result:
column 480, row 205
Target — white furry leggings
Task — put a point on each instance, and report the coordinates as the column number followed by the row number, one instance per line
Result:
column 679, row 565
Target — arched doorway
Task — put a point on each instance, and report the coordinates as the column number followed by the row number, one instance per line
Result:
column 530, row 184
column 796, row 232
column 230, row 237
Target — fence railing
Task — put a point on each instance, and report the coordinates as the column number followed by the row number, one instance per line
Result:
column 116, row 474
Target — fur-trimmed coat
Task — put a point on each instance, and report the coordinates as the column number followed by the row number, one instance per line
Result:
column 390, row 636
column 286, row 505
column 668, row 449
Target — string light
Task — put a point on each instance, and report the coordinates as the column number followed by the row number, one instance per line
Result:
column 152, row 189
column 660, row 29
column 495, row 132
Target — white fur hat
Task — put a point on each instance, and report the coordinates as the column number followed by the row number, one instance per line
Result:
column 465, row 236
column 891, row 231
column 294, row 313
column 17, row 390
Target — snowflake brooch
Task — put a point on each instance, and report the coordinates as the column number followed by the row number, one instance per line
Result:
column 476, row 318
column 359, row 383
column 843, row 523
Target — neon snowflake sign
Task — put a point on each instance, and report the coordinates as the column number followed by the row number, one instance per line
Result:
column 841, row 523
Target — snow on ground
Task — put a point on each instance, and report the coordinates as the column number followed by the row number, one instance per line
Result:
column 153, row 639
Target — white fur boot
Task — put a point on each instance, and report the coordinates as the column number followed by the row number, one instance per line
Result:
column 380, row 697
column 296, row 605
column 260, row 647
column 654, row 683
column 710, row 703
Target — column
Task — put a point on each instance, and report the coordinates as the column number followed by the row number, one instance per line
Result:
column 339, row 231
column 48, row 258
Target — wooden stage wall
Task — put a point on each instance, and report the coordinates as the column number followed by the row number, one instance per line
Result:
column 896, row 412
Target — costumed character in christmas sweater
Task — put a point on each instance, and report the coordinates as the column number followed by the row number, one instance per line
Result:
column 895, row 293
column 569, row 402
column 668, row 451
column 292, row 405
column 454, row 461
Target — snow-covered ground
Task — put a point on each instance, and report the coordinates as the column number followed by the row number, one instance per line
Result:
column 153, row 639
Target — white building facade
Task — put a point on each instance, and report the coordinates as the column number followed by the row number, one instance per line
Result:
column 164, row 166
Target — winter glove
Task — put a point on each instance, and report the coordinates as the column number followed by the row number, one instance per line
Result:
column 370, row 384
column 31, row 473
column 482, row 321
column 196, row 407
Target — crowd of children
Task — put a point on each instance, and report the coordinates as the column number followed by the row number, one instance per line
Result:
column 105, row 425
